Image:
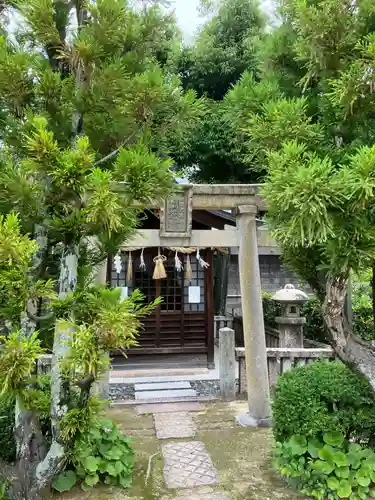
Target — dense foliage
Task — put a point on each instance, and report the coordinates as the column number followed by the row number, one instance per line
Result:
column 226, row 46
column 90, row 111
column 102, row 454
column 323, row 397
column 330, row 467
column 7, row 442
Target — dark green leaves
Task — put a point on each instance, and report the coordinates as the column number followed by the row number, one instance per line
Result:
column 103, row 454
column 323, row 470
column 65, row 481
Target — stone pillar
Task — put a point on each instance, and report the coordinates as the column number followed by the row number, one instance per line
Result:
column 258, row 393
column 227, row 364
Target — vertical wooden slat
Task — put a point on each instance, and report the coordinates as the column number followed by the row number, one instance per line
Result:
column 301, row 362
column 273, row 370
column 209, row 307
column 286, row 364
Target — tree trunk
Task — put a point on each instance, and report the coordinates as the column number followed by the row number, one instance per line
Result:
column 41, row 477
column 31, row 450
column 353, row 351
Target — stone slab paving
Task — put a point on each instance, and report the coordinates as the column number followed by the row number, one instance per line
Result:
column 145, row 409
column 159, row 386
column 174, row 425
column 187, row 465
column 166, row 394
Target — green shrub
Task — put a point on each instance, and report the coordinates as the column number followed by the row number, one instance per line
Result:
column 330, row 468
column 363, row 321
column 323, row 397
column 314, row 329
column 7, row 443
column 102, row 454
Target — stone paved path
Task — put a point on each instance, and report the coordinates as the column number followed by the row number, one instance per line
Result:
column 174, row 425
column 187, row 464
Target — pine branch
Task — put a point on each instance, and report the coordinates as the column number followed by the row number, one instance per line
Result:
column 114, row 153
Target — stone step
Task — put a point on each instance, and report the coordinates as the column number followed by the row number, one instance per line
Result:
column 140, row 402
column 160, row 386
column 165, row 394
column 154, row 408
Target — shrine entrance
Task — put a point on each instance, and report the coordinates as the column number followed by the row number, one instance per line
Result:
column 181, row 322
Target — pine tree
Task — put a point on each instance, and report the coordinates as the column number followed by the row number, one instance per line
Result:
column 315, row 145
column 89, row 114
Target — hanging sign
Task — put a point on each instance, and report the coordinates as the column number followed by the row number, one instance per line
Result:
column 194, row 294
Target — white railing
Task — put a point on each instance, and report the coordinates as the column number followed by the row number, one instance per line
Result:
column 280, row 360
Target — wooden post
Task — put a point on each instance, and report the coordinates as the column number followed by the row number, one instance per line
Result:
column 227, row 364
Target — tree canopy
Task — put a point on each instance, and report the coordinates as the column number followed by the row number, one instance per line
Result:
column 91, row 111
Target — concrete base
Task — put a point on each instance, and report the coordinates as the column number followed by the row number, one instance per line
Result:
column 246, row 420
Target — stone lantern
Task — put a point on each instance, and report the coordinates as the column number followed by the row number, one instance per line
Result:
column 290, row 322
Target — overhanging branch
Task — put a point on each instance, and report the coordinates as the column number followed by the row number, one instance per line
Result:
column 114, row 153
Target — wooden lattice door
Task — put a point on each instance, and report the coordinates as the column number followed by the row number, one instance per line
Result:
column 176, row 325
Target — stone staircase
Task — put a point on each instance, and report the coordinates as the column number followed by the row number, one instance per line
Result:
column 160, row 392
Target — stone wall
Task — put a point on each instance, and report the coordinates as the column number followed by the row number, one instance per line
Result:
column 273, row 276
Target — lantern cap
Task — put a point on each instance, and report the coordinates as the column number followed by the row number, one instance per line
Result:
column 290, row 295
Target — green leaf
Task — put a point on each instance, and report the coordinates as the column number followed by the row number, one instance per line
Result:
column 297, row 445
column 313, row 447
column 354, row 459
column 91, row 480
column 125, row 481
column 333, row 438
column 323, row 467
column 340, row 459
column 115, row 453
column 326, row 454
column 372, row 492
column 64, row 481
column 344, row 490
column 102, row 467
column 355, row 448
column 342, row 472
column 363, row 476
column 115, row 434
column 368, row 454
column 91, row 464
column 104, row 448
column 111, row 469
column 363, row 491
column 119, row 467
column 333, row 483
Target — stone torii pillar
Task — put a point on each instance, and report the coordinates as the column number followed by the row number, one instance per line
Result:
column 258, row 394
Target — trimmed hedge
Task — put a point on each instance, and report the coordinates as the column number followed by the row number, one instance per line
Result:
column 323, row 397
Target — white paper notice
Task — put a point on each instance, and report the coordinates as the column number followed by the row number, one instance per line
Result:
column 194, row 294
column 124, row 292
